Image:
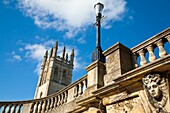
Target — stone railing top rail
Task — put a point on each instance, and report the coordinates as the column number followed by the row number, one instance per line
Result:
column 151, row 40
column 69, row 86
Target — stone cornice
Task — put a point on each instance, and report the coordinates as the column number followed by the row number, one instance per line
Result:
column 87, row 100
column 94, row 64
column 113, row 48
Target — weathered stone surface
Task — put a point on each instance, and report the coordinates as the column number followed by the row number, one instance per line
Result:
column 95, row 71
column 128, row 106
column 118, row 61
column 157, row 90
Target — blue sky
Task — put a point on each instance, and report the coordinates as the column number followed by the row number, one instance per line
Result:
column 29, row 27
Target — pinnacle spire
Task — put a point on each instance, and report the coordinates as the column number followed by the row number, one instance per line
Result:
column 63, row 54
column 55, row 49
column 45, row 58
column 72, row 56
column 66, row 56
column 51, row 52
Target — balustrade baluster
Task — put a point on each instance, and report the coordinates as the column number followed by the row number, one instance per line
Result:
column 14, row 108
column 80, row 89
column 55, row 102
column 65, row 97
column 9, row 108
column 36, row 107
column 61, row 101
column 58, row 103
column 19, row 108
column 48, row 105
column 142, row 57
column 5, row 106
column 84, row 85
column 160, row 45
column 52, row 103
column 40, row 106
column 168, row 38
column 135, row 56
column 44, row 106
column 75, row 91
column 152, row 56
column 32, row 108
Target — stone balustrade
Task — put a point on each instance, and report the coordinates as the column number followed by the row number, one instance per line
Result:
column 52, row 102
column 80, row 88
column 157, row 41
column 11, row 107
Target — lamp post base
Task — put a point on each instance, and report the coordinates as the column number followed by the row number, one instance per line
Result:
column 97, row 55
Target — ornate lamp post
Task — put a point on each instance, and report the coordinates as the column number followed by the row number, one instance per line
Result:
column 97, row 54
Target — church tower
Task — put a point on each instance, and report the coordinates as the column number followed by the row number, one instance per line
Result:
column 56, row 72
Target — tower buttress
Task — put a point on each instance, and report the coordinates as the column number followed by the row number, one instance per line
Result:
column 56, row 72
column 72, row 56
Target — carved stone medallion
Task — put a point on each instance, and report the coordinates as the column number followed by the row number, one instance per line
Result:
column 156, row 89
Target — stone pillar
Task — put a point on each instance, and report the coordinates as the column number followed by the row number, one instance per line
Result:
column 118, row 61
column 95, row 71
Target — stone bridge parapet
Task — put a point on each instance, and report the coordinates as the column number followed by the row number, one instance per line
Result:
column 131, row 81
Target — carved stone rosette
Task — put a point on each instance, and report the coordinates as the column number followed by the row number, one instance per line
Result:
column 157, row 91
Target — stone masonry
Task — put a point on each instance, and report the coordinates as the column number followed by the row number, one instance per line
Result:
column 129, row 82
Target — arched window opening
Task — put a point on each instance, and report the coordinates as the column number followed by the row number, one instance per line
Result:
column 41, row 95
column 64, row 73
column 56, row 77
column 64, row 76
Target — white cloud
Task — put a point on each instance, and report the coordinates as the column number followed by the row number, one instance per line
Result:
column 36, row 51
column 15, row 56
column 21, row 49
column 70, row 16
column 81, row 40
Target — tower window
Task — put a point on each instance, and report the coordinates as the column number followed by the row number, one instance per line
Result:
column 56, row 77
column 64, row 73
column 64, row 77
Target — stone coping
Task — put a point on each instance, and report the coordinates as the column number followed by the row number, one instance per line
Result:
column 113, row 48
column 93, row 65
